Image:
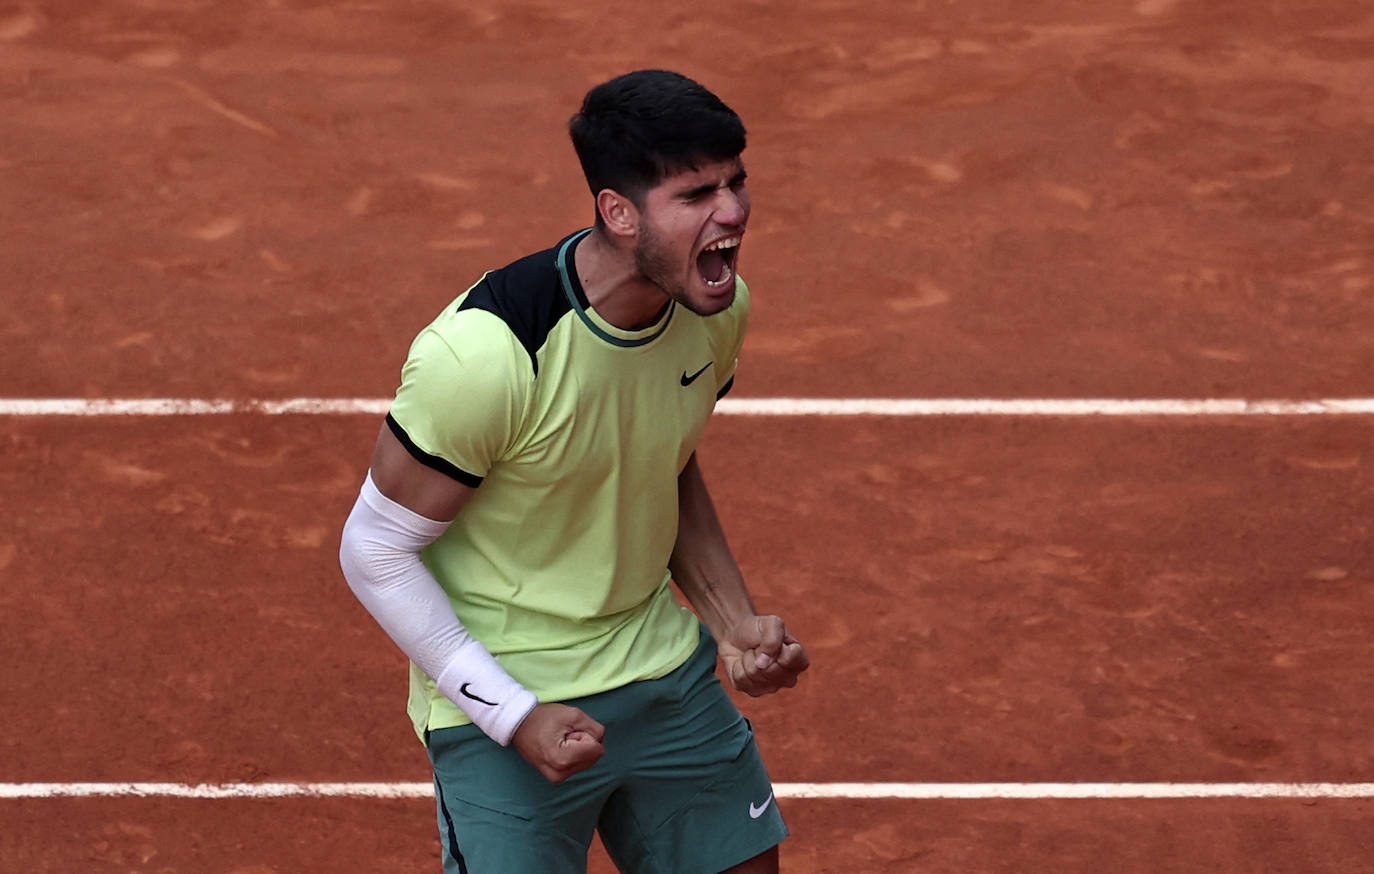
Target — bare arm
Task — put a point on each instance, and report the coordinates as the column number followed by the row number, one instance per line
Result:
column 759, row 653
column 412, row 485
column 702, row 564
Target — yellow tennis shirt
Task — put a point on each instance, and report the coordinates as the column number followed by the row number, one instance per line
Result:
column 574, row 432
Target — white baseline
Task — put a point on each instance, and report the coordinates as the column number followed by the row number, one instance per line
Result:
column 927, row 791
column 1144, row 407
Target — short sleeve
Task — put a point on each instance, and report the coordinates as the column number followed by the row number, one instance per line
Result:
column 462, row 395
column 728, row 329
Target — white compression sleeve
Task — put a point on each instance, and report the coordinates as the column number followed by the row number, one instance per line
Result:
column 380, row 557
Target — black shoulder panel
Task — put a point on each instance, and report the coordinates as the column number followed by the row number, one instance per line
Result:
column 527, row 296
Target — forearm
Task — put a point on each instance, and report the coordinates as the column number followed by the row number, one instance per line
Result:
column 379, row 555
column 701, row 564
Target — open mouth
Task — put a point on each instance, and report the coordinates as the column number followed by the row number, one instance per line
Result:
column 716, row 263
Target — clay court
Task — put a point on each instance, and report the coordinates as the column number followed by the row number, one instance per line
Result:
column 1116, row 201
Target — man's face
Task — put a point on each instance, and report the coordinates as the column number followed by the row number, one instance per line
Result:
column 690, row 229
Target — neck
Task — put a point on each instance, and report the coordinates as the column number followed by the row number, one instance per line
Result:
column 614, row 286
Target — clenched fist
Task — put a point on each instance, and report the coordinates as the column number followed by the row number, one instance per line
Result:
column 559, row 740
column 761, row 656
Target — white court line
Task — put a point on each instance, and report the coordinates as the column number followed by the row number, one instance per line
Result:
column 927, row 791
column 730, row 406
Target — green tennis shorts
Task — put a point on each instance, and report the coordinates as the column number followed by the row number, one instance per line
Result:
column 681, row 788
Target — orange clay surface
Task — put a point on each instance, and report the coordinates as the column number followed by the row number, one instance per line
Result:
column 1161, row 198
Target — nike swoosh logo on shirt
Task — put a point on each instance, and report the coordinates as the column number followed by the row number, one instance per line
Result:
column 756, row 812
column 463, row 690
column 688, row 380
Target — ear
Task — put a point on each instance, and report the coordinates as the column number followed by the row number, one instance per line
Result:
column 618, row 212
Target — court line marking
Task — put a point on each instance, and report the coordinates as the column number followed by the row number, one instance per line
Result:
column 731, row 406
column 923, row 791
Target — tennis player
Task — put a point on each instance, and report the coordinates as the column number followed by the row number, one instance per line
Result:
column 535, row 489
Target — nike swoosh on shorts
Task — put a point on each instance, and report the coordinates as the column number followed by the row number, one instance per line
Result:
column 756, row 812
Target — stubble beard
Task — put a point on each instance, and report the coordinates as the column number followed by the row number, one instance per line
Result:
column 656, row 264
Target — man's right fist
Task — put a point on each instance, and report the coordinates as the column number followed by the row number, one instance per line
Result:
column 559, row 740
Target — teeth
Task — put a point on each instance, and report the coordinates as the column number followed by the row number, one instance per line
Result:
column 727, row 277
